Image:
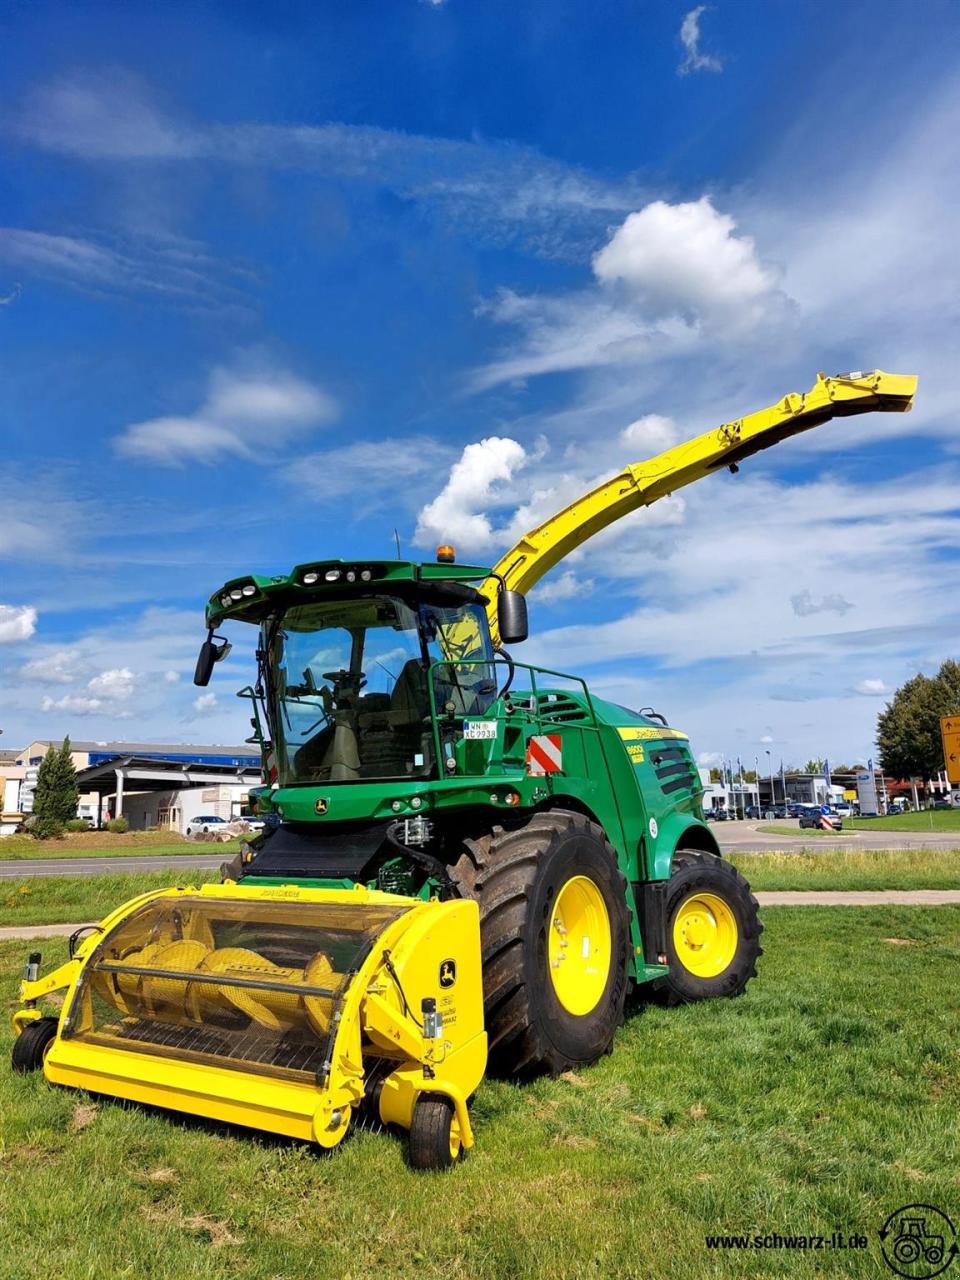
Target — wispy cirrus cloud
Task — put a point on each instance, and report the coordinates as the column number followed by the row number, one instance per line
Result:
column 239, row 410
column 168, row 269
column 492, row 190
column 694, row 58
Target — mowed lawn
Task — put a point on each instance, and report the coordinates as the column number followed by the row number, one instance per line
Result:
column 852, row 868
column 103, row 844
column 823, row 1100
column 928, row 820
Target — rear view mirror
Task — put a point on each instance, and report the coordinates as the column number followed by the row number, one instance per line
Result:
column 206, row 659
column 210, row 654
column 512, row 617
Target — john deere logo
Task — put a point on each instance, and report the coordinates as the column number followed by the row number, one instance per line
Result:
column 448, row 973
column 322, row 805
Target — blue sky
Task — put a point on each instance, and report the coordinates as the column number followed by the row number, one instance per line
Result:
column 279, row 279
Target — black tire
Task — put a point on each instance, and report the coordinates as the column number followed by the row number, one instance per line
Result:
column 434, row 1141
column 515, row 876
column 31, row 1045
column 697, row 872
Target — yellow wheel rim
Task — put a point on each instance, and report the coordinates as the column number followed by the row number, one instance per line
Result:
column 705, row 934
column 579, row 945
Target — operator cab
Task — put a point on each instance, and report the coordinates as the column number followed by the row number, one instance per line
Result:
column 349, row 681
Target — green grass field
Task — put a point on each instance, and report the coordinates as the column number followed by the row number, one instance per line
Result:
column 929, row 820
column 69, row 899
column 852, row 868
column 101, row 844
column 824, row 1099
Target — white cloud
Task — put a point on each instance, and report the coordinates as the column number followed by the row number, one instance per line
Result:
column 671, row 277
column 694, row 58
column 649, row 435
column 59, row 667
column 17, row 623
column 72, row 704
column 206, row 702
column 687, row 260
column 456, row 513
column 766, row 739
column 171, row 677
column 238, row 412
column 710, row 759
column 871, row 688
column 116, row 685
column 565, row 586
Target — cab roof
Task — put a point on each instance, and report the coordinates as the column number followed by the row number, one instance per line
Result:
column 254, row 597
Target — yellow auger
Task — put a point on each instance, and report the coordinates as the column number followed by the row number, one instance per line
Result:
column 280, row 1008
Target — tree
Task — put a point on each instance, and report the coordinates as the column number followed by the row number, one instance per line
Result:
column 56, row 796
column 908, row 729
column 813, row 766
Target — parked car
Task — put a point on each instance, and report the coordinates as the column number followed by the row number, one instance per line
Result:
column 814, row 816
column 716, row 815
column 205, row 822
column 775, row 811
column 794, row 808
column 941, row 804
column 842, row 810
column 752, row 811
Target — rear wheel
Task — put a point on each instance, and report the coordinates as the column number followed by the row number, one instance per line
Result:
column 555, row 933
column 712, row 929
column 31, row 1045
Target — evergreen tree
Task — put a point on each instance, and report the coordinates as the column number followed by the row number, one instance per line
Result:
column 56, row 796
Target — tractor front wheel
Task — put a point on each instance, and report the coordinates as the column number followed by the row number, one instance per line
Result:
column 713, row 929
column 555, row 934
column 434, row 1134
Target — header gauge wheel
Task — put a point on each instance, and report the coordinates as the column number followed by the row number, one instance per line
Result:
column 555, row 933
column 713, row 929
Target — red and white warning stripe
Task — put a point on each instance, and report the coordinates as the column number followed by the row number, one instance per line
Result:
column 544, row 754
column 273, row 773
column 825, row 822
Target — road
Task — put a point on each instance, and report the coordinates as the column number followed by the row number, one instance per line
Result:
column 742, row 837
column 118, row 866
column 734, row 837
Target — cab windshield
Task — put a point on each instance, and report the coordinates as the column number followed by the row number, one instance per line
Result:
column 349, row 685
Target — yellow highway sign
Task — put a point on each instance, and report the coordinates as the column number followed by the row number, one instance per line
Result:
column 950, row 732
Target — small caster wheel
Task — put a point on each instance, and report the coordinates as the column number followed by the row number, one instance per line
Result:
column 31, row 1045
column 435, row 1141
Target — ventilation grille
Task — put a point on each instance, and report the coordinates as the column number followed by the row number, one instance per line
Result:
column 560, row 708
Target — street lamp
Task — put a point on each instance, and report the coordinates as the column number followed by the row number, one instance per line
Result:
column 773, row 794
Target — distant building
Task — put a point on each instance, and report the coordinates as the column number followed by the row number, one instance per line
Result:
column 151, row 784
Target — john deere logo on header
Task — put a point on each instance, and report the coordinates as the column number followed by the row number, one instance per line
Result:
column 448, row 973
column 322, row 805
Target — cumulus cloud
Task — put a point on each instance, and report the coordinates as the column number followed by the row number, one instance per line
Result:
column 116, row 685
column 766, row 739
column 73, row 704
column 871, row 688
column 17, row 623
column 685, row 259
column 206, row 702
column 238, row 411
column 805, row 603
column 368, row 469
column 457, row 512
column 651, row 434
column 694, row 59
column 171, row 677
column 670, row 277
